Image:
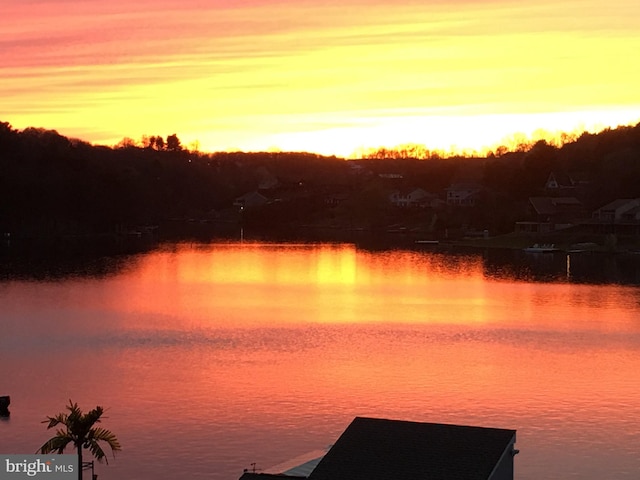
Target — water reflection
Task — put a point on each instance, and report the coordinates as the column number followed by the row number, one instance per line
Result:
column 54, row 262
column 54, row 265
column 588, row 268
column 258, row 353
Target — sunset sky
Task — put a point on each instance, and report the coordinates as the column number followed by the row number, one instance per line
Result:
column 330, row 77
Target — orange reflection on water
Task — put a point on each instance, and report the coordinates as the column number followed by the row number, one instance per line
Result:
column 306, row 283
column 262, row 352
column 254, row 284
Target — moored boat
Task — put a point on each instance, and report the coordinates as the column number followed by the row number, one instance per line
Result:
column 542, row 248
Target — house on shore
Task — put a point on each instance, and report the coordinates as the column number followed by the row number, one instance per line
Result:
column 463, row 194
column 250, row 200
column 382, row 449
column 562, row 184
column 549, row 214
column 620, row 217
column 410, row 197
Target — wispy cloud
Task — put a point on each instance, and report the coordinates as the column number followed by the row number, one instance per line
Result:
column 257, row 67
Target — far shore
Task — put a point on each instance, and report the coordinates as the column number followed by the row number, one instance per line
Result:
column 140, row 239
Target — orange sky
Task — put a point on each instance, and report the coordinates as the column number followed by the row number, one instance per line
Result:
column 329, row 77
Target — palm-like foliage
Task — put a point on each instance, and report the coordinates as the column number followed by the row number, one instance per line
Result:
column 80, row 430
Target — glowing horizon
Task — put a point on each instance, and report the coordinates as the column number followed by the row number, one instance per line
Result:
column 330, row 78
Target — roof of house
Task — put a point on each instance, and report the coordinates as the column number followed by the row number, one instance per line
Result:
column 380, row 449
column 562, row 179
column 566, row 201
column 300, row 466
column 268, row 476
column 550, row 205
column 250, row 198
column 621, row 202
column 410, row 191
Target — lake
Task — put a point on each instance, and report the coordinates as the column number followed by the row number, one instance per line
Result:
column 212, row 357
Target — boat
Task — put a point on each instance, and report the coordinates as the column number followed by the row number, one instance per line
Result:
column 427, row 242
column 542, row 248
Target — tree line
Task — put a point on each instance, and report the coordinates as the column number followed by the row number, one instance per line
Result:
column 52, row 185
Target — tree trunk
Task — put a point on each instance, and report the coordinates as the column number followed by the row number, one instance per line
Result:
column 79, row 447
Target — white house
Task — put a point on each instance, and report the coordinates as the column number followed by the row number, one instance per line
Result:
column 408, row 198
column 625, row 209
column 463, row 194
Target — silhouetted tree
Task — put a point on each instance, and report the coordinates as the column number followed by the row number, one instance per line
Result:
column 159, row 143
column 79, row 429
column 50, row 185
column 147, row 141
column 126, row 142
column 173, row 143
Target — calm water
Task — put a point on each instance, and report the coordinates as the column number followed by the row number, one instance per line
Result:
column 213, row 357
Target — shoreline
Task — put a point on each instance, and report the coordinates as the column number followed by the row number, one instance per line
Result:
column 144, row 238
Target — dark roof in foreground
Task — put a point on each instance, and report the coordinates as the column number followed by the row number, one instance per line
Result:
column 379, row 449
column 268, row 476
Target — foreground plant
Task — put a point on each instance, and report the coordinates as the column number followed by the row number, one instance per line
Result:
column 79, row 429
